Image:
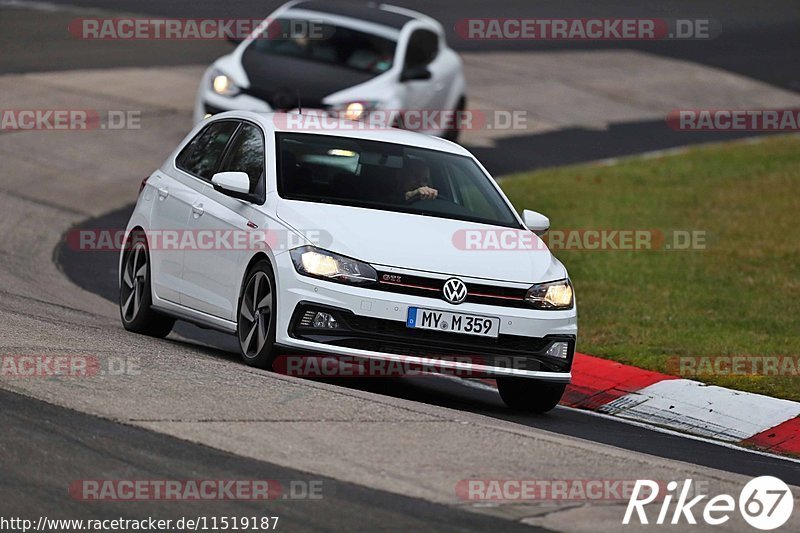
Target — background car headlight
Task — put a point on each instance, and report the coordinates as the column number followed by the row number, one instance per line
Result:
column 319, row 263
column 222, row 84
column 354, row 110
column 555, row 295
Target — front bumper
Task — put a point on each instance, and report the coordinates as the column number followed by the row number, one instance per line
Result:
column 374, row 327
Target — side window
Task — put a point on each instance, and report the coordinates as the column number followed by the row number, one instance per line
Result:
column 423, row 47
column 246, row 154
column 201, row 155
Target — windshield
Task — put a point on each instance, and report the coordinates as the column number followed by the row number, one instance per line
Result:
column 326, row 43
column 389, row 177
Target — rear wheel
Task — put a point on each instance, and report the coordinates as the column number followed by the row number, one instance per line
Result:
column 529, row 394
column 257, row 317
column 135, row 296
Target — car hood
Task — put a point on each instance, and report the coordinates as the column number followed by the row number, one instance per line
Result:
column 281, row 80
column 419, row 242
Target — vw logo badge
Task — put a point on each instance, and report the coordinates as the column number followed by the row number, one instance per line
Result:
column 454, row 291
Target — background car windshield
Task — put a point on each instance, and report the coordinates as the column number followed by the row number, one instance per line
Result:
column 387, row 176
column 326, row 43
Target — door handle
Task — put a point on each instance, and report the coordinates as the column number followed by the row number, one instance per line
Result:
column 163, row 192
column 198, row 210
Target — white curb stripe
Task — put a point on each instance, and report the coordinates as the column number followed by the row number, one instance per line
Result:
column 705, row 410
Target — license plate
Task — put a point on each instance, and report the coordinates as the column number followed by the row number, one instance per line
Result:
column 482, row 326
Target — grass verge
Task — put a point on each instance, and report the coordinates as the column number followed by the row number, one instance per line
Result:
column 737, row 296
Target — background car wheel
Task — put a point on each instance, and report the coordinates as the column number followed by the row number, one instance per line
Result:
column 453, row 134
column 529, row 394
column 135, row 298
column 257, row 317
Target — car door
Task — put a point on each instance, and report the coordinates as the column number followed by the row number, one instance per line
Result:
column 422, row 53
column 211, row 274
column 177, row 191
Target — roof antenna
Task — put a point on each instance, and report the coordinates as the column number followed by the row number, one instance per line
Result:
column 299, row 105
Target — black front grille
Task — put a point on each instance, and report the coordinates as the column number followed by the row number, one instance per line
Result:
column 283, row 100
column 479, row 293
column 391, row 336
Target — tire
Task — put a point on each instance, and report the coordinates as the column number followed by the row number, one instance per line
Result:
column 453, row 134
column 529, row 394
column 135, row 292
column 257, row 317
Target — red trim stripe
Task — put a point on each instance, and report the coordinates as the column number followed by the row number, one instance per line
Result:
column 596, row 381
column 783, row 438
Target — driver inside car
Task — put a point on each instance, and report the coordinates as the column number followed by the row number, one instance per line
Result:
column 415, row 181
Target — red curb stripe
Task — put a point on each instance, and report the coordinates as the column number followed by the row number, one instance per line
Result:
column 596, row 381
column 783, row 438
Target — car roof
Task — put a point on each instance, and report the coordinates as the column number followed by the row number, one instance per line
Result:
column 370, row 12
column 280, row 123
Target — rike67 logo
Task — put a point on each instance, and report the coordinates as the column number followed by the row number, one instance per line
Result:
column 765, row 503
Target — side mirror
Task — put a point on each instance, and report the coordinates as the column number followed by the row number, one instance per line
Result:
column 536, row 222
column 234, row 184
column 419, row 72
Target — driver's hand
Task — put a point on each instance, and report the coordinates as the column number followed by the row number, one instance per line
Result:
column 427, row 193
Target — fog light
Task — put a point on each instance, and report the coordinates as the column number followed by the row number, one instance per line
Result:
column 325, row 320
column 558, row 349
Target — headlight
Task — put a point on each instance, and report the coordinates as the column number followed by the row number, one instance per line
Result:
column 555, row 295
column 354, row 110
column 223, row 84
column 319, row 263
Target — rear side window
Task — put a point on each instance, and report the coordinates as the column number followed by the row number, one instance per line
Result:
column 246, row 154
column 201, row 156
column 423, row 46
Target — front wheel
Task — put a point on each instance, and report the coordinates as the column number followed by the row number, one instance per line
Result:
column 257, row 317
column 529, row 394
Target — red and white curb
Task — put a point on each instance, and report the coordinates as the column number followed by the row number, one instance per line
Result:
column 686, row 406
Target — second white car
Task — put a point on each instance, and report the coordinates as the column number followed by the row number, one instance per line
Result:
column 350, row 61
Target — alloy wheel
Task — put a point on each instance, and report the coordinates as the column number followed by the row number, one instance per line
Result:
column 255, row 315
column 134, row 282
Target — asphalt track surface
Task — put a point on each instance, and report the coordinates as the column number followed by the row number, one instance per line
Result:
column 45, row 437
column 758, row 40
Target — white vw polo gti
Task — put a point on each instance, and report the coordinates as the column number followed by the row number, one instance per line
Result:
column 306, row 238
